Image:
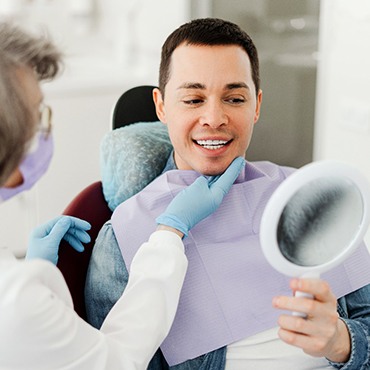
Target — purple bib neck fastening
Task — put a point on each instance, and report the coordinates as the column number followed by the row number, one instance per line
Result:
column 229, row 285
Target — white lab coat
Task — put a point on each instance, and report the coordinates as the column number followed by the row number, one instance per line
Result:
column 40, row 330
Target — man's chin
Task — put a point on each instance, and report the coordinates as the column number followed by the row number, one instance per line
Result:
column 205, row 166
column 213, row 169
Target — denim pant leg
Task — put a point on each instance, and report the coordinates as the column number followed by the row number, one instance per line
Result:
column 106, row 278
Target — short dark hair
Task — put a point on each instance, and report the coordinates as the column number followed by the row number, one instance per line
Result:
column 18, row 49
column 207, row 31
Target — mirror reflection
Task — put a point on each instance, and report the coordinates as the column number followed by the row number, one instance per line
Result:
column 320, row 221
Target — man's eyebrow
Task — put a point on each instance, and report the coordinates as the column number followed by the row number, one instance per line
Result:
column 192, row 85
column 200, row 86
column 237, row 85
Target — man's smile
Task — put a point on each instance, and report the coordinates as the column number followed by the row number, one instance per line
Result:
column 212, row 144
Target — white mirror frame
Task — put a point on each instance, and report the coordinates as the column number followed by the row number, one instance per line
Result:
column 277, row 202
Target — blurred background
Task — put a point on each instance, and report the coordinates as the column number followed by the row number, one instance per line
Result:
column 314, row 59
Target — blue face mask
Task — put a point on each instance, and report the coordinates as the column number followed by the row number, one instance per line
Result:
column 33, row 166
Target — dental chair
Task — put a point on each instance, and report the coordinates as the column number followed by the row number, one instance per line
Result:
column 134, row 105
column 91, row 206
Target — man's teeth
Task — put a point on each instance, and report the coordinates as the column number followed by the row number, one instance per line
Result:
column 212, row 144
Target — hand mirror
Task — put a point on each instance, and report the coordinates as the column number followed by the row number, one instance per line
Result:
column 315, row 219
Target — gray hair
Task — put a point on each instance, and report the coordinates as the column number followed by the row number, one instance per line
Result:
column 19, row 49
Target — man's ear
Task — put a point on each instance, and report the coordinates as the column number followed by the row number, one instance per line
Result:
column 258, row 106
column 159, row 105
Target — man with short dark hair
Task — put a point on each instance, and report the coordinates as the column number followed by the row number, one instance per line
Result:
column 209, row 98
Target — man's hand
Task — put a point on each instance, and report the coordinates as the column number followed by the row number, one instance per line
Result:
column 45, row 239
column 322, row 333
column 200, row 199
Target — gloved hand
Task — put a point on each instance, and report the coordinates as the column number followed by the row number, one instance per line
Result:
column 45, row 239
column 200, row 199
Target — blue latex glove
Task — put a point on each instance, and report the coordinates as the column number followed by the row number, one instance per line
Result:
column 45, row 239
column 200, row 199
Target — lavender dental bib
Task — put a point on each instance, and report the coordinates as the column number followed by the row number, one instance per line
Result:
column 229, row 285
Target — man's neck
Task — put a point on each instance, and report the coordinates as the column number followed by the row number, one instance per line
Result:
column 170, row 165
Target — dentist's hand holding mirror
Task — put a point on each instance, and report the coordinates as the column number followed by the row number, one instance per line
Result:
column 314, row 220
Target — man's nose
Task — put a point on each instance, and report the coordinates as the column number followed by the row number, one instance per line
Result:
column 214, row 115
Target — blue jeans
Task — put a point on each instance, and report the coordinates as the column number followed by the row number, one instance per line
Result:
column 107, row 278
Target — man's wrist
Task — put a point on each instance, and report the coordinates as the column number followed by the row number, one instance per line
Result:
column 342, row 350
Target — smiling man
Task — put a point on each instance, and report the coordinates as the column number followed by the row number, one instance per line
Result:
column 209, row 97
column 210, row 104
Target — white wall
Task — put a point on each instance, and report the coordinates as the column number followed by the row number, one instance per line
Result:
column 342, row 127
column 110, row 47
column 106, row 53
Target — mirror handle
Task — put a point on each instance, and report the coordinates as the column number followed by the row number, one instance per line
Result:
column 307, row 275
column 303, row 295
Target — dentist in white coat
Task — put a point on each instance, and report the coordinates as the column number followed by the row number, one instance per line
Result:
column 38, row 327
